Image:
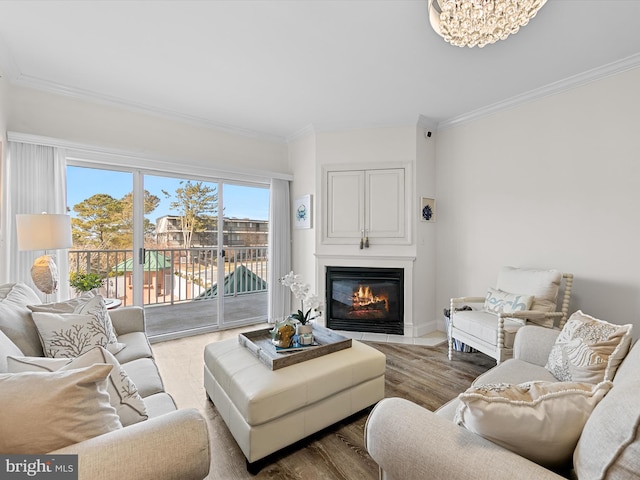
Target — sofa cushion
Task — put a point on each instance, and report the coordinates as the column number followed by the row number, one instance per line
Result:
column 449, row 409
column 588, row 349
column 541, row 421
column 499, row 301
column 72, row 334
column 15, row 317
column 610, row 443
column 137, row 347
column 515, row 371
column 123, row 393
column 484, row 325
column 144, row 373
column 159, row 404
column 44, row 411
column 544, row 285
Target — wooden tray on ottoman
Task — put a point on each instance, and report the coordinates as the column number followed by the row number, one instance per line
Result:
column 259, row 343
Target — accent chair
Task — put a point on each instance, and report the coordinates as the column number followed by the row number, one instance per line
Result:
column 521, row 296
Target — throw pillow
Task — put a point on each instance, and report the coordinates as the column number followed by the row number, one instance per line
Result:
column 68, row 306
column 498, row 301
column 72, row 334
column 541, row 421
column 7, row 347
column 42, row 412
column 123, row 394
column 588, row 349
column 15, row 317
column 544, row 285
column 609, row 446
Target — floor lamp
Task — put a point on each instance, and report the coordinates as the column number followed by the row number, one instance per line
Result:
column 44, row 231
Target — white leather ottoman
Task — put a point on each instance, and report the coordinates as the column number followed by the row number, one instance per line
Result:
column 267, row 410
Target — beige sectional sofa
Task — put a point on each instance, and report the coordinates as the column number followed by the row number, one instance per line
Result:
column 170, row 444
column 409, row 442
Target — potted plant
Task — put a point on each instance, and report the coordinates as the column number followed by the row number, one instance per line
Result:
column 310, row 306
column 84, row 282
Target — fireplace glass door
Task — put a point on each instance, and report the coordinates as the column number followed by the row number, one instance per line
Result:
column 367, row 299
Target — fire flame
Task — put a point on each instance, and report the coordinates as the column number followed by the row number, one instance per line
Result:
column 364, row 296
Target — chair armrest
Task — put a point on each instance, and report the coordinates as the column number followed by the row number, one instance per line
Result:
column 128, row 320
column 409, row 442
column 532, row 315
column 171, row 446
column 459, row 300
column 533, row 344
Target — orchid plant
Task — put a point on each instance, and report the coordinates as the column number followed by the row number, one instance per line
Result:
column 302, row 291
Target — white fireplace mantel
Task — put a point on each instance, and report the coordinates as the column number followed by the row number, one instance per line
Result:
column 404, row 262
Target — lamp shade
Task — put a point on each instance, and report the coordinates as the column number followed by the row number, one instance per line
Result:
column 45, row 231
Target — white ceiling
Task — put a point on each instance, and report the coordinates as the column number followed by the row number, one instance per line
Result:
column 274, row 67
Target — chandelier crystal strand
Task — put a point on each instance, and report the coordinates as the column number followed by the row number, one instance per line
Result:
column 480, row 22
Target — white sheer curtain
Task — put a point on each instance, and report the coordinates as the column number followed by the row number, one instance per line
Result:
column 279, row 249
column 34, row 182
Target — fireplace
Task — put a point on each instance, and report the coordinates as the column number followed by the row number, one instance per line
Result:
column 365, row 299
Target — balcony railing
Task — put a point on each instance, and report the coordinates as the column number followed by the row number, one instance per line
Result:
column 173, row 275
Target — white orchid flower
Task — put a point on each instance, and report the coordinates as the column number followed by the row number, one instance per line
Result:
column 288, row 279
column 302, row 292
column 312, row 301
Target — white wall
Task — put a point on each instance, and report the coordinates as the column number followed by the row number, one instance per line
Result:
column 46, row 114
column 302, row 161
column 367, row 148
column 554, row 183
column 426, row 310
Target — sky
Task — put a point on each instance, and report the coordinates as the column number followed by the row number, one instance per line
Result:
column 239, row 201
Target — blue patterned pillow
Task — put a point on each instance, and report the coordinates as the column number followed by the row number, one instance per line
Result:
column 498, row 301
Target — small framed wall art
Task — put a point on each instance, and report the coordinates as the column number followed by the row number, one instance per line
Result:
column 428, row 209
column 302, row 212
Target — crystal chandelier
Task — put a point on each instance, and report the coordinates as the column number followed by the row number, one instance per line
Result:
column 467, row 23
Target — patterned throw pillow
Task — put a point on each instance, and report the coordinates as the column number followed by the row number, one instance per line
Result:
column 72, row 334
column 123, row 393
column 498, row 301
column 541, row 421
column 67, row 306
column 588, row 349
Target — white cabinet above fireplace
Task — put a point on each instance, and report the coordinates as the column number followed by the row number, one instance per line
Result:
column 361, row 204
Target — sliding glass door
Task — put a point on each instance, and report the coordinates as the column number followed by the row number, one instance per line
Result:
column 101, row 206
column 193, row 252
column 245, row 235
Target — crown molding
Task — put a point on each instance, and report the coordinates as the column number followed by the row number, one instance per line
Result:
column 568, row 83
column 94, row 97
column 303, row 132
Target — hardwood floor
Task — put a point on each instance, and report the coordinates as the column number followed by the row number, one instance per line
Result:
column 417, row 373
